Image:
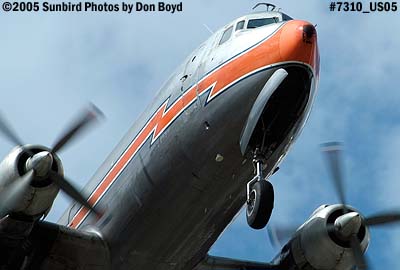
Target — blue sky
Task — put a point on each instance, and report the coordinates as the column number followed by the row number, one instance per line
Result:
column 53, row 64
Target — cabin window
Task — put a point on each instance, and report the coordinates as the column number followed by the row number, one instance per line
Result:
column 239, row 25
column 227, row 34
column 261, row 22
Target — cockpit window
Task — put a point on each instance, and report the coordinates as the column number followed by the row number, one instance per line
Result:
column 286, row 17
column 239, row 25
column 261, row 22
column 227, row 34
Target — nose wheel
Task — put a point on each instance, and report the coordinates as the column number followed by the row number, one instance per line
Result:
column 260, row 197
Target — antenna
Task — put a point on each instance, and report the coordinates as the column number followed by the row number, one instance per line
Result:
column 208, row 28
column 268, row 5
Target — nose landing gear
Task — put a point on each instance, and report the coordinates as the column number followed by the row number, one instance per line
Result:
column 260, row 196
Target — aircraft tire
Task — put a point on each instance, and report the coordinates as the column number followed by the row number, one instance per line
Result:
column 259, row 208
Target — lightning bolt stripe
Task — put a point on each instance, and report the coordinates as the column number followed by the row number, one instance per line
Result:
column 252, row 60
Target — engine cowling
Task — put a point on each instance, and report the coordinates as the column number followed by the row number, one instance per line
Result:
column 42, row 191
column 316, row 246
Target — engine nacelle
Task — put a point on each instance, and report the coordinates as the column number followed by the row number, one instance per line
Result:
column 42, row 191
column 315, row 247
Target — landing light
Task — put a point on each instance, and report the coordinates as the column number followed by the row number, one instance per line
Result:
column 219, row 158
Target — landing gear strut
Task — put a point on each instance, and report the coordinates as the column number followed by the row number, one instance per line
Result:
column 260, row 196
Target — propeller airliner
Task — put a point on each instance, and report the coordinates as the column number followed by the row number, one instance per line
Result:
column 206, row 146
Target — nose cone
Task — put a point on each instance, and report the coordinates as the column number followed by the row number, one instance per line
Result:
column 298, row 42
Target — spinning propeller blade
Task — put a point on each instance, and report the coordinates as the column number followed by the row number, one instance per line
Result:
column 70, row 190
column 358, row 253
column 14, row 193
column 383, row 219
column 8, row 132
column 332, row 152
column 90, row 115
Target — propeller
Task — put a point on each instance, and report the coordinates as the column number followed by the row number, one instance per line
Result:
column 39, row 165
column 333, row 154
column 346, row 226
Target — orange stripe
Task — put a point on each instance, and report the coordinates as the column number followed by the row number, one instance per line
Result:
column 264, row 54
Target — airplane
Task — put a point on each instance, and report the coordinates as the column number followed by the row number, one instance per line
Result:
column 207, row 145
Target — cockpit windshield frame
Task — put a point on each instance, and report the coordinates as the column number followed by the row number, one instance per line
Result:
column 260, row 22
column 252, row 21
column 226, row 35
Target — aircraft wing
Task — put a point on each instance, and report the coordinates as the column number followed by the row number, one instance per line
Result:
column 52, row 247
column 220, row 263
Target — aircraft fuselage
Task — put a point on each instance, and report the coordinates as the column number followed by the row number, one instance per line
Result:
column 178, row 178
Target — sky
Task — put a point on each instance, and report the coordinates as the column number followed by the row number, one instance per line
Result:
column 52, row 65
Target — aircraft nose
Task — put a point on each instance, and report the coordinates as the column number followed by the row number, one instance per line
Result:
column 298, row 42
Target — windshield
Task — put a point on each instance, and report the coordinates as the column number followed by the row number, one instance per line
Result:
column 286, row 17
column 261, row 22
column 227, row 34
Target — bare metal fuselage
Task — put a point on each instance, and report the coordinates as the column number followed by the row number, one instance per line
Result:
column 165, row 194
